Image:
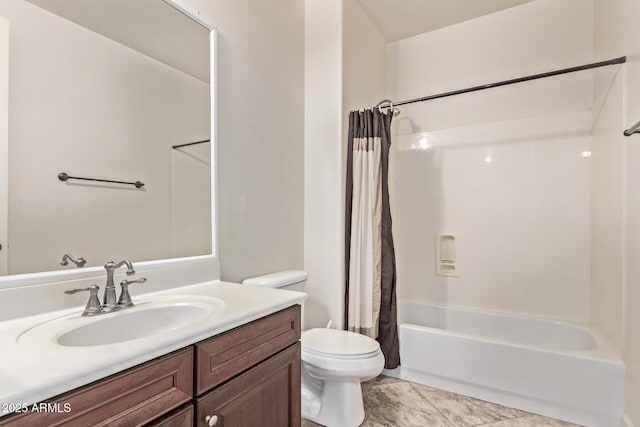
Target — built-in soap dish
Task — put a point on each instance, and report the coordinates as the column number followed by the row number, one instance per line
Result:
column 446, row 255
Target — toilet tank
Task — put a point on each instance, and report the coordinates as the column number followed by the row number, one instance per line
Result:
column 291, row 280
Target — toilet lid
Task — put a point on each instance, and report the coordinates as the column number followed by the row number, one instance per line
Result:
column 339, row 343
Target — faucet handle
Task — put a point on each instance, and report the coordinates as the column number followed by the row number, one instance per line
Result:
column 125, row 297
column 93, row 306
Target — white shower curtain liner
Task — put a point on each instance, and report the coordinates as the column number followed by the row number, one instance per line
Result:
column 366, row 239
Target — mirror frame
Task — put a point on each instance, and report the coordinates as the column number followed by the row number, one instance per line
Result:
column 26, row 279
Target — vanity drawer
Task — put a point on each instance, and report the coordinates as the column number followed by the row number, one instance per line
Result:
column 221, row 358
column 134, row 397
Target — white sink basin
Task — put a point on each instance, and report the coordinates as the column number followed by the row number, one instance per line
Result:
column 160, row 315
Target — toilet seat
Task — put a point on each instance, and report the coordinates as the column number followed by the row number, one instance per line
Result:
column 338, row 344
column 335, row 355
column 341, row 356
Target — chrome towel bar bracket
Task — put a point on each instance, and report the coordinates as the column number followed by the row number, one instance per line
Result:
column 633, row 129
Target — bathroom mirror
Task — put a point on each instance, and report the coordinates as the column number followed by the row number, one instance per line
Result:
column 105, row 90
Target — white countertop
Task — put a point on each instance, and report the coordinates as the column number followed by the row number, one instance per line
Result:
column 32, row 372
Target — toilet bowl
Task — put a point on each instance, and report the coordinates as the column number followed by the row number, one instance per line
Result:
column 334, row 363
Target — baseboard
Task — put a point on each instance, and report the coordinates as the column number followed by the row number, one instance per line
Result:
column 626, row 422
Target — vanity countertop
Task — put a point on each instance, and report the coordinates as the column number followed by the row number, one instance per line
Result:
column 32, row 372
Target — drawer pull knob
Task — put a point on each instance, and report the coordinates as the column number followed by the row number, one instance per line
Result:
column 211, row 420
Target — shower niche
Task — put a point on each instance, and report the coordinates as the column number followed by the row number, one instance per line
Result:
column 446, row 255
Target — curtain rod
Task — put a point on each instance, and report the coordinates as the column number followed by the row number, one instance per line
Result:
column 620, row 60
column 190, row 143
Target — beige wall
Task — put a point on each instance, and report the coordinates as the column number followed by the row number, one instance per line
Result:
column 260, row 148
column 116, row 120
column 617, row 33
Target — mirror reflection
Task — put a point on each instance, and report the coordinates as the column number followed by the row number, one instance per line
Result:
column 105, row 90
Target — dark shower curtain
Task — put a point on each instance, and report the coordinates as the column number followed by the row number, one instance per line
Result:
column 370, row 291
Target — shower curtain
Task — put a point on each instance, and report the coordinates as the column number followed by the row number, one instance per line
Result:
column 370, row 291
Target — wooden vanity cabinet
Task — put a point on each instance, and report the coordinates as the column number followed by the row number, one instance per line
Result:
column 253, row 373
column 246, row 377
column 133, row 397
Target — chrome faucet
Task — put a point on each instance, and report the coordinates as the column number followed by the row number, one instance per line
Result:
column 109, row 301
column 80, row 262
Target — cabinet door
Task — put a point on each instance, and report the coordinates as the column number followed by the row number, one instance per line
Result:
column 266, row 395
column 182, row 417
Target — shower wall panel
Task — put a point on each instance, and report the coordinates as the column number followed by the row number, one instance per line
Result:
column 507, row 170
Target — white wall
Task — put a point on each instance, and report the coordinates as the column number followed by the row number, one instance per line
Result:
column 260, row 147
column 616, row 33
column 364, row 59
column 191, row 200
column 115, row 120
column 502, row 168
column 324, row 194
column 4, row 141
column 345, row 70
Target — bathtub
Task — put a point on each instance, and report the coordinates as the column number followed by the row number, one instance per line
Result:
column 557, row 369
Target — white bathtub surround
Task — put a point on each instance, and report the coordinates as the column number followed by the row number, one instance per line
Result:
column 552, row 368
column 509, row 190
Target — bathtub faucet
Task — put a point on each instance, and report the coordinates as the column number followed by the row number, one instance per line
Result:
column 80, row 262
column 109, row 301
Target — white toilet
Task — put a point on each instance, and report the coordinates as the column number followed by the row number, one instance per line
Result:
column 334, row 363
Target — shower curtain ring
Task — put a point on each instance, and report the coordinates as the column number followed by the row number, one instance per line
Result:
column 380, row 105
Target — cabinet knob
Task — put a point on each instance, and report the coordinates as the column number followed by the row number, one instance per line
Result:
column 211, row 420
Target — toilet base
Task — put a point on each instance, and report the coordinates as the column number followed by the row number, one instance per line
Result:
column 332, row 403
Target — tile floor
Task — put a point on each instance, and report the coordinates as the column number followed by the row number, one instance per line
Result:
column 389, row 402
